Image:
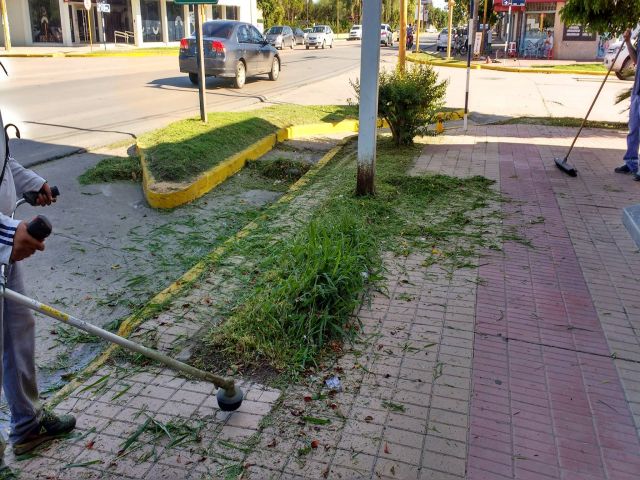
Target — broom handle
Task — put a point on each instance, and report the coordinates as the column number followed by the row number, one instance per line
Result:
column 584, row 121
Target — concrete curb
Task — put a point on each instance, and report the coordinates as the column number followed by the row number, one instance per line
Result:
column 411, row 58
column 213, row 177
column 151, row 308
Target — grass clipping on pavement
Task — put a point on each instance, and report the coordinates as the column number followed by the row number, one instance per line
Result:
column 185, row 149
column 300, row 301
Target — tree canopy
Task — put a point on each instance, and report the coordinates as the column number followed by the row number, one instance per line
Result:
column 612, row 16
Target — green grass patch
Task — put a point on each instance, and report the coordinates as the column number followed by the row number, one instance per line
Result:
column 563, row 122
column 576, row 67
column 185, row 149
column 299, row 300
column 113, row 169
column 138, row 52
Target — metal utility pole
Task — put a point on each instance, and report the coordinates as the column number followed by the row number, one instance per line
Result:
column 484, row 25
column 417, row 33
column 337, row 16
column 368, row 116
column 5, row 25
column 506, row 43
column 402, row 47
column 201, row 78
column 470, row 37
column 450, row 4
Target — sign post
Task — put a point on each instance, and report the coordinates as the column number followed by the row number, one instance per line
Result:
column 198, row 7
column 451, row 4
column 87, row 6
column 5, row 25
column 104, row 8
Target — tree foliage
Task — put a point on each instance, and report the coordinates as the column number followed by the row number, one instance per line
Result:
column 612, row 16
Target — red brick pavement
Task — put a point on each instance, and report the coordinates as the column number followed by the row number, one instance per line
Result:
column 547, row 401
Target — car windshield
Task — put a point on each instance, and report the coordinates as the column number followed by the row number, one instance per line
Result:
column 274, row 30
column 444, row 32
column 318, row 29
column 217, row 29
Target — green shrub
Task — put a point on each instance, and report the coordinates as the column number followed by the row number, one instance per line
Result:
column 409, row 100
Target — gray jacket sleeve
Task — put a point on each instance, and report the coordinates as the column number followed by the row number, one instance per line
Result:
column 25, row 180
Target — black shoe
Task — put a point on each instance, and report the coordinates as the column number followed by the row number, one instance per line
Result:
column 6, row 473
column 636, row 177
column 622, row 169
column 51, row 426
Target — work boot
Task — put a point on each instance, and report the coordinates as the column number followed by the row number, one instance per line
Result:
column 51, row 426
column 636, row 177
column 623, row 169
column 6, row 473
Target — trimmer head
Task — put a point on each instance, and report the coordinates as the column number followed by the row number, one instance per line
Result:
column 562, row 164
column 229, row 403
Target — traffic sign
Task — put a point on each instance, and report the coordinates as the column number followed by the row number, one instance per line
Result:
column 195, row 2
column 87, row 4
column 104, row 7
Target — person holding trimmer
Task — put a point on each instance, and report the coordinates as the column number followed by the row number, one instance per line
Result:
column 31, row 425
column 633, row 138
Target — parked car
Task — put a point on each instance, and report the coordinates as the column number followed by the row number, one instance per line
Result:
column 321, row 36
column 281, row 36
column 300, row 36
column 386, row 35
column 232, row 49
column 441, row 42
column 355, row 33
column 624, row 68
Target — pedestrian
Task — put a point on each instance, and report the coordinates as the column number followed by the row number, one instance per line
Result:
column 633, row 137
column 31, row 424
column 489, row 40
column 548, row 44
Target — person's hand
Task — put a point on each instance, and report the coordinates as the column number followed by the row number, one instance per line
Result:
column 44, row 196
column 627, row 35
column 24, row 245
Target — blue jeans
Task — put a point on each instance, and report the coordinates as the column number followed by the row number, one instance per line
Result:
column 633, row 138
column 18, row 372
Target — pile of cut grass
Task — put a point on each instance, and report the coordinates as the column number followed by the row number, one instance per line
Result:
column 283, row 169
column 185, row 149
column 113, row 169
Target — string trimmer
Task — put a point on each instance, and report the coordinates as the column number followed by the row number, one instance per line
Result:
column 229, row 395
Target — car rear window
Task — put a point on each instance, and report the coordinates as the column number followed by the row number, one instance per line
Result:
column 318, row 29
column 217, row 29
column 275, row 30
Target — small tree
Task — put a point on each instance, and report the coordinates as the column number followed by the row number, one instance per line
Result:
column 409, row 101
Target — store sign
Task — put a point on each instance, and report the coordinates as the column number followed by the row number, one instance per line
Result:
column 195, row 2
column 513, row 3
column 576, row 33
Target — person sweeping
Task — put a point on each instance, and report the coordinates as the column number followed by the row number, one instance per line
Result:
column 630, row 165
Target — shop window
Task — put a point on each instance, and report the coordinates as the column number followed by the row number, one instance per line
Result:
column 175, row 14
column 151, row 25
column 216, row 12
column 232, row 13
column 45, row 21
column 536, row 28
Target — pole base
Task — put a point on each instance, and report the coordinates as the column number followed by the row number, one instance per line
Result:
column 229, row 403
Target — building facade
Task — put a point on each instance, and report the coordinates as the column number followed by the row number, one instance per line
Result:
column 529, row 26
column 139, row 22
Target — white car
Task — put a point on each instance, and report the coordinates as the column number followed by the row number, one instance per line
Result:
column 386, row 35
column 355, row 33
column 624, row 68
column 321, row 36
column 441, row 42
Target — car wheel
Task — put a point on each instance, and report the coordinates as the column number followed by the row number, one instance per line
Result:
column 316, row 47
column 331, row 44
column 194, row 78
column 275, row 69
column 323, row 44
column 241, row 75
column 307, row 47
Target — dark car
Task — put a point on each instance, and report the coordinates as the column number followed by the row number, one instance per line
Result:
column 300, row 36
column 231, row 50
column 281, row 36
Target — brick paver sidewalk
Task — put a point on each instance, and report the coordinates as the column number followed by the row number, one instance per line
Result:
column 526, row 367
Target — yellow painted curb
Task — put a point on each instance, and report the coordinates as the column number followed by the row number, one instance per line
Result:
column 32, row 55
column 411, row 58
column 166, row 295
